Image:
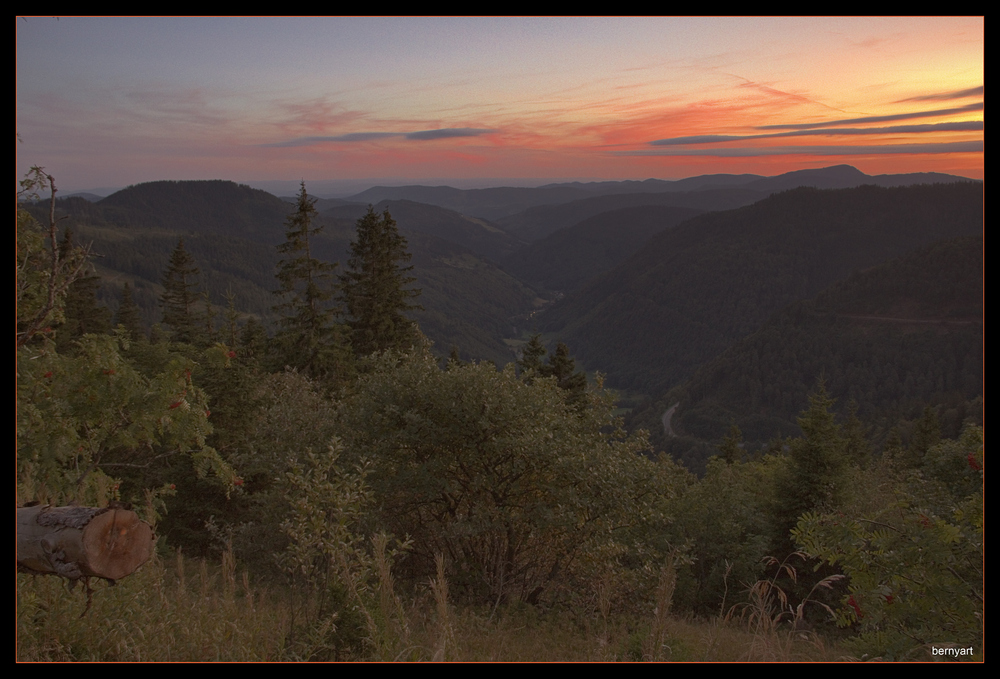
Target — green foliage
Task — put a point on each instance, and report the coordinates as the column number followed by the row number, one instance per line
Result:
column 95, row 413
column 531, row 355
column 328, row 503
column 814, row 476
column 732, row 444
column 128, row 315
column 916, row 562
column 562, row 367
column 308, row 339
column 83, row 314
column 375, row 287
column 520, row 492
column 727, row 518
column 45, row 272
column 180, row 298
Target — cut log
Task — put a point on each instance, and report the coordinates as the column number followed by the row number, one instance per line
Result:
column 77, row 542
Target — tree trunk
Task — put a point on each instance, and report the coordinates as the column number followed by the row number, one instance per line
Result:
column 77, row 542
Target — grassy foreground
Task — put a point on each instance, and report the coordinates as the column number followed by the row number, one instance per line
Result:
column 184, row 610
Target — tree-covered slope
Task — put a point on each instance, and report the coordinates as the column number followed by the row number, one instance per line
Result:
column 566, row 259
column 892, row 338
column 695, row 289
column 231, row 232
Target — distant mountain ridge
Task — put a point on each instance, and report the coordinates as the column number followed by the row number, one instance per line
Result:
column 497, row 203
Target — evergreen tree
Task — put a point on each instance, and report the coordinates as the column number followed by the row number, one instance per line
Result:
column 562, row 366
column 814, row 476
column 926, row 435
column 454, row 360
column 308, row 338
column 208, row 318
column 531, row 355
column 856, row 447
column 732, row 445
column 180, row 297
column 375, row 289
column 83, row 313
column 128, row 314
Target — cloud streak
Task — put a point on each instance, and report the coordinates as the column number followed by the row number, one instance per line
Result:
column 353, row 137
column 447, row 133
column 971, row 126
column 839, row 150
column 960, row 94
column 877, row 119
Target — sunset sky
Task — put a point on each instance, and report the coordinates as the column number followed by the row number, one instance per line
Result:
column 104, row 102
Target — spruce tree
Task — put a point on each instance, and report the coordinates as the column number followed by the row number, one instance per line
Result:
column 128, row 314
column 308, row 338
column 84, row 315
column 813, row 478
column 531, row 356
column 731, row 446
column 180, row 297
column 375, row 289
column 562, row 366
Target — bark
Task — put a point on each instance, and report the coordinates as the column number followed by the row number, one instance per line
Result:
column 79, row 542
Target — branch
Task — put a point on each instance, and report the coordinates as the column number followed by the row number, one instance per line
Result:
column 59, row 281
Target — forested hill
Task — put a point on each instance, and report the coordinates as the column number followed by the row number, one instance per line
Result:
column 538, row 222
column 203, row 207
column 231, row 232
column 891, row 339
column 569, row 257
column 695, row 289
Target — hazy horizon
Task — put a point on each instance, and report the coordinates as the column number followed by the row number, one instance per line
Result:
column 344, row 188
column 110, row 102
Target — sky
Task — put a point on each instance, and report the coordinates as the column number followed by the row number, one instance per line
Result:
column 107, row 102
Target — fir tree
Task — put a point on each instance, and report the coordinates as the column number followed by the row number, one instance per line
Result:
column 308, row 339
column 128, row 314
column 83, row 313
column 562, row 366
column 375, row 289
column 531, row 355
column 732, row 445
column 180, row 297
column 814, row 476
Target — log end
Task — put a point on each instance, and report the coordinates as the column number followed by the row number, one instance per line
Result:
column 116, row 543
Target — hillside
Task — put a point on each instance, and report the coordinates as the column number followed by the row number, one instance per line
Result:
column 567, row 258
column 891, row 338
column 231, row 232
column 695, row 289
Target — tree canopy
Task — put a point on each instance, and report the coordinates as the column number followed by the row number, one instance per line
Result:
column 375, row 288
column 308, row 338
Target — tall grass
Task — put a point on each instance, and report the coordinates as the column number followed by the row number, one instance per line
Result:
column 179, row 610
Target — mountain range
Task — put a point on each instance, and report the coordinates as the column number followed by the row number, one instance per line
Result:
column 664, row 286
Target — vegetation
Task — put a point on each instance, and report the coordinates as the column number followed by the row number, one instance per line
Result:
column 308, row 339
column 375, row 288
column 405, row 510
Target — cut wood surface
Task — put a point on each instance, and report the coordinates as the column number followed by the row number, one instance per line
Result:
column 77, row 542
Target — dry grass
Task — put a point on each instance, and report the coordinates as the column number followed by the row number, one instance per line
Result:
column 200, row 611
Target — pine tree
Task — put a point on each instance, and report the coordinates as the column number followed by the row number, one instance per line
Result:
column 375, row 289
column 180, row 297
column 308, row 339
